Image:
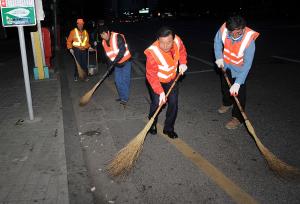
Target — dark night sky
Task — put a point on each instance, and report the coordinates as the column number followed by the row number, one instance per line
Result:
column 88, row 8
column 68, row 10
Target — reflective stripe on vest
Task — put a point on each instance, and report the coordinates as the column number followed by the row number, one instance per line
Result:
column 79, row 42
column 113, row 50
column 233, row 53
column 166, row 64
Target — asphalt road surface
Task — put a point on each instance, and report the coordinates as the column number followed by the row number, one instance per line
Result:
column 208, row 163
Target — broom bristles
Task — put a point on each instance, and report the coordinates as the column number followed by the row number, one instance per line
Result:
column 125, row 159
column 279, row 167
column 86, row 98
column 81, row 73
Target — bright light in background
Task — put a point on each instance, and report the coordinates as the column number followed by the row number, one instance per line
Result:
column 144, row 10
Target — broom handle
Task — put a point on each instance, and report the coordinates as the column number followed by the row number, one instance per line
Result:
column 75, row 58
column 79, row 68
column 168, row 93
column 102, row 78
column 247, row 121
column 235, row 98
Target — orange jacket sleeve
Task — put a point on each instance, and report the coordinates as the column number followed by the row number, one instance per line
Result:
column 70, row 39
column 151, row 74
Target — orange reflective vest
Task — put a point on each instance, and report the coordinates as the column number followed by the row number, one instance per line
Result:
column 112, row 50
column 233, row 53
column 79, row 41
column 167, row 65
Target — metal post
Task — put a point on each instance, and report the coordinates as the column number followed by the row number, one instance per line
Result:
column 55, row 25
column 25, row 71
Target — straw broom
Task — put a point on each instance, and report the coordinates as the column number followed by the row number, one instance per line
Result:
column 88, row 95
column 279, row 167
column 125, row 159
column 81, row 72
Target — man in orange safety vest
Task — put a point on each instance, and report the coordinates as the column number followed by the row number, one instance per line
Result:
column 234, row 47
column 165, row 58
column 78, row 44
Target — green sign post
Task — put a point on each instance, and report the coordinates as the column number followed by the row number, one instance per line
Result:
column 18, row 13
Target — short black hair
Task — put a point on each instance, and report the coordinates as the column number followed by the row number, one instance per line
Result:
column 235, row 22
column 102, row 29
column 164, row 32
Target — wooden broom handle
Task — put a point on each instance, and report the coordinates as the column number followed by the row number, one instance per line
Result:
column 168, row 93
column 235, row 98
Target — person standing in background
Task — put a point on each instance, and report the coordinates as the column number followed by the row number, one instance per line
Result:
column 78, row 44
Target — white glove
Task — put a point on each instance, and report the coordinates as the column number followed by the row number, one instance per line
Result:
column 162, row 98
column 182, row 68
column 72, row 51
column 95, row 43
column 220, row 63
column 234, row 89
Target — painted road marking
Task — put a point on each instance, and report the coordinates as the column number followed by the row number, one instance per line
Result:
column 191, row 56
column 137, row 78
column 187, row 73
column 232, row 189
column 138, row 67
column 201, row 60
column 286, row 59
column 200, row 71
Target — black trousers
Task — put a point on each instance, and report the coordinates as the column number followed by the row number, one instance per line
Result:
column 81, row 56
column 229, row 100
column 172, row 103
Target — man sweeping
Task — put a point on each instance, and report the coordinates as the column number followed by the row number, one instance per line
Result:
column 234, row 47
column 119, row 57
column 78, row 44
column 163, row 58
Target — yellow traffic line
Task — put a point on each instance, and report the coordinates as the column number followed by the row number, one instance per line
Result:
column 232, row 189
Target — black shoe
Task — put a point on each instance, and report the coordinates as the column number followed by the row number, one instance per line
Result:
column 122, row 102
column 153, row 129
column 171, row 134
column 118, row 99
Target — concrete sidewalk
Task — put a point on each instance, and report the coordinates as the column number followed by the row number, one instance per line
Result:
column 32, row 153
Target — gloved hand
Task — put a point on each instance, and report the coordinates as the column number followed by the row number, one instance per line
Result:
column 234, row 89
column 220, row 63
column 95, row 43
column 182, row 68
column 162, row 98
column 71, row 51
column 111, row 63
